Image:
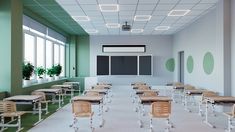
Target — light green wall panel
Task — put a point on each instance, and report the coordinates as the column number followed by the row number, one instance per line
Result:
column 190, row 64
column 83, row 56
column 208, row 63
column 11, row 41
column 170, row 64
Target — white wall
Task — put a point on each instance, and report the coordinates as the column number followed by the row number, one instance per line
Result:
column 205, row 35
column 233, row 45
column 160, row 47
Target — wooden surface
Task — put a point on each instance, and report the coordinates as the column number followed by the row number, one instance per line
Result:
column 142, row 91
column 97, row 90
column 144, row 99
column 221, row 99
column 195, row 91
column 49, row 90
column 24, row 98
column 87, row 98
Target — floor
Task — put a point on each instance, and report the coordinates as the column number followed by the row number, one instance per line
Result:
column 121, row 117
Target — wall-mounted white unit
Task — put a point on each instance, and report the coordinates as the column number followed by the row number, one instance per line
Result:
column 123, row 48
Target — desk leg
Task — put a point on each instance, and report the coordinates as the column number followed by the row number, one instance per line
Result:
column 39, row 113
column 206, row 116
column 139, row 114
column 102, row 118
column 200, row 108
column 59, row 102
column 186, row 97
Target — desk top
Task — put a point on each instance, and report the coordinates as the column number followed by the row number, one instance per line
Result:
column 24, row 98
column 49, row 90
column 62, row 86
column 87, row 98
column 138, row 91
column 221, row 99
column 155, row 98
column 195, row 91
column 97, row 90
column 65, row 83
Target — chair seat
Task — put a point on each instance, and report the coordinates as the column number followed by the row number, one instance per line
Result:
column 12, row 114
column 88, row 114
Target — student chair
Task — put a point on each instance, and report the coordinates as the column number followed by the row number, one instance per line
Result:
column 42, row 101
column 150, row 93
column 231, row 116
column 161, row 109
column 81, row 109
column 8, row 110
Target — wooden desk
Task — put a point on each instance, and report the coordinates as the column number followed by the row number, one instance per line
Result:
column 28, row 99
column 100, row 91
column 217, row 100
column 139, row 92
column 74, row 84
column 65, row 88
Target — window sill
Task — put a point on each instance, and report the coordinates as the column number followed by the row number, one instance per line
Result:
column 35, row 83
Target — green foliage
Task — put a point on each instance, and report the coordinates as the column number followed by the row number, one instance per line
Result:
column 58, row 69
column 51, row 71
column 27, row 70
column 40, row 71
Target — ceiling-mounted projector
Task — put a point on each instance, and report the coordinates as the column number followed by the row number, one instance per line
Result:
column 126, row 27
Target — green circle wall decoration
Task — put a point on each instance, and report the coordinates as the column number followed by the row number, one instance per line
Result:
column 190, row 64
column 208, row 63
column 170, row 64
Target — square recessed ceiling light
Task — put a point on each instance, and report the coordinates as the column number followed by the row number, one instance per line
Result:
column 178, row 12
column 113, row 25
column 81, row 18
column 109, row 7
column 137, row 30
column 91, row 31
column 162, row 28
column 142, row 17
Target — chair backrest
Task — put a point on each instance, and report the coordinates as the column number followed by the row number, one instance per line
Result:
column 92, row 93
column 138, row 83
column 233, row 111
column 189, row 87
column 150, row 93
column 208, row 94
column 143, row 87
column 43, row 98
column 80, row 107
column 7, row 106
column 161, row 109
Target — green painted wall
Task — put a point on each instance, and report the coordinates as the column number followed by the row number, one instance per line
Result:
column 11, row 43
column 83, row 56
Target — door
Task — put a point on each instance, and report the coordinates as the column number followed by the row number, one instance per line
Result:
column 181, row 66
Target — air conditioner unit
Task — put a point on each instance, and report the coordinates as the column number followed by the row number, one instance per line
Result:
column 124, row 48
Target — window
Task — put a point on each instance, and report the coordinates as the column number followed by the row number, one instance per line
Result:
column 29, row 49
column 43, row 47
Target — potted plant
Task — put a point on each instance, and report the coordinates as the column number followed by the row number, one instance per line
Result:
column 40, row 71
column 27, row 70
column 58, row 70
column 51, row 73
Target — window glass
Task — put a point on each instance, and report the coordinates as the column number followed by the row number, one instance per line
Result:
column 56, row 54
column 40, row 52
column 49, row 52
column 62, row 59
column 29, row 48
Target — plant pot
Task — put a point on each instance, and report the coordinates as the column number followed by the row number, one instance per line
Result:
column 40, row 80
column 27, row 82
column 50, row 78
column 57, row 77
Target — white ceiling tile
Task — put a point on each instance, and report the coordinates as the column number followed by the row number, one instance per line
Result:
column 90, row 7
column 183, row 7
column 127, row 7
column 189, row 1
column 148, row 1
column 202, row 6
column 128, row 1
column 87, row 2
column 107, row 1
column 126, row 13
column 168, row 1
column 143, row 12
column 165, row 6
column 148, row 7
column 209, row 1
column 160, row 13
column 67, row 2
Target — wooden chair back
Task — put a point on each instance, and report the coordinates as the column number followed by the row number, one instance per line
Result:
column 80, row 108
column 7, row 106
column 150, row 93
column 143, row 87
column 92, row 93
column 189, row 87
column 161, row 109
column 42, row 94
column 233, row 111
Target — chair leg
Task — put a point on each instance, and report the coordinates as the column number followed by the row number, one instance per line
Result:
column 91, row 125
column 46, row 108
column 2, row 122
column 151, row 124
